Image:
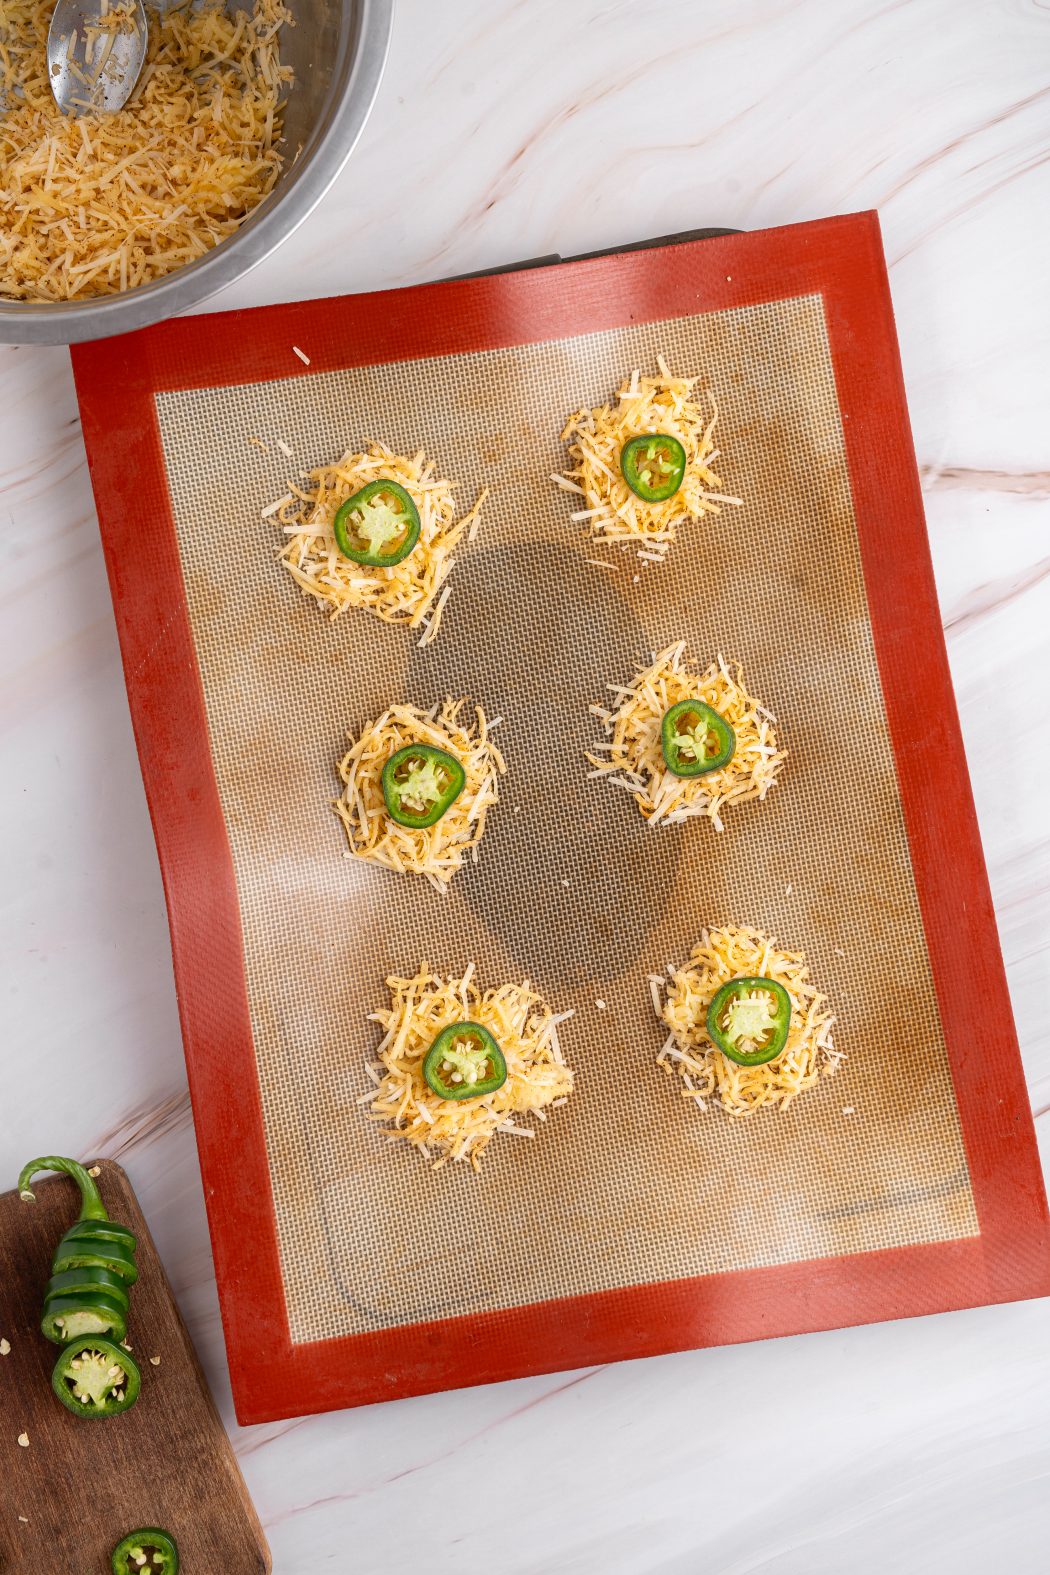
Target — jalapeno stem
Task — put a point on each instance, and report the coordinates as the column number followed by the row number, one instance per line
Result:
column 91, row 1205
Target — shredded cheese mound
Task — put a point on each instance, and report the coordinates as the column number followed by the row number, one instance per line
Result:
column 596, row 437
column 435, row 851
column 99, row 203
column 523, row 1026
column 405, row 592
column 681, row 1001
column 633, row 757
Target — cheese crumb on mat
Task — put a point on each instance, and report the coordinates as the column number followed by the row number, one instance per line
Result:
column 94, row 204
column 404, row 592
column 632, row 758
column 434, row 851
column 681, row 1002
column 596, row 438
column 523, row 1026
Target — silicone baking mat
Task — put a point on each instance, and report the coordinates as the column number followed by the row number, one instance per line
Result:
column 632, row 1223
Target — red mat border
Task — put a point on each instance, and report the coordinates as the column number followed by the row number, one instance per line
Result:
column 840, row 259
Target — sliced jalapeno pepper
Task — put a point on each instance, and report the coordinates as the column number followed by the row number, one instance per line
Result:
column 749, row 1018
column 84, row 1312
column 95, row 1378
column 653, row 466
column 695, row 739
column 88, row 1280
column 464, row 1062
column 96, row 1253
column 379, row 525
column 420, row 783
column 149, row 1551
column 101, row 1230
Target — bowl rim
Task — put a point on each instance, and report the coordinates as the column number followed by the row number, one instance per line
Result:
column 350, row 103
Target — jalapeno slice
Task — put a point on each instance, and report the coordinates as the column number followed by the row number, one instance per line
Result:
column 101, row 1230
column 93, row 1377
column 695, row 739
column 653, row 466
column 148, row 1551
column 89, row 1280
column 95, row 1252
column 464, row 1062
column 378, row 525
column 420, row 783
column 749, row 1018
column 83, row 1312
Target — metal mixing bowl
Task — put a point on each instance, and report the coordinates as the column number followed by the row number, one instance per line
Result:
column 337, row 50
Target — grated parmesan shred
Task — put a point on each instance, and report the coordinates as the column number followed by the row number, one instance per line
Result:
column 523, row 1026
column 108, row 202
column 632, row 756
column 408, row 592
column 435, row 851
column 682, row 999
column 596, row 437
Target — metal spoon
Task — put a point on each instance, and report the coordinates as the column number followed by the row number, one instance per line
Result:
column 95, row 52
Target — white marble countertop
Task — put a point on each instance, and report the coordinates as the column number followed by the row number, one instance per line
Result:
column 502, row 132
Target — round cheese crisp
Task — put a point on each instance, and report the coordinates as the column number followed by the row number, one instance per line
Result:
column 682, row 998
column 412, row 591
column 598, row 438
column 632, row 755
column 523, row 1027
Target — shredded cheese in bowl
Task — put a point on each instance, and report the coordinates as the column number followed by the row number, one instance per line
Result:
column 681, row 1001
column 614, row 513
column 523, row 1026
column 408, row 592
column 632, row 756
column 99, row 203
column 437, row 851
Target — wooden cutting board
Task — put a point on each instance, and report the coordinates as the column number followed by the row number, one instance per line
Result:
column 79, row 1486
